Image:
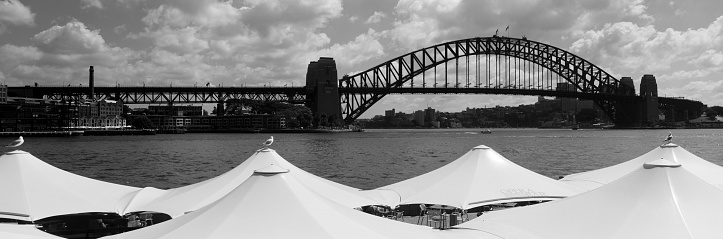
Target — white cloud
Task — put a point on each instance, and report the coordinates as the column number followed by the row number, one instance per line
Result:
column 15, row 13
column 62, row 54
column 420, row 23
column 703, row 91
column 365, row 47
column 709, row 58
column 685, row 62
column 17, row 55
column 128, row 3
column 629, row 47
column 120, row 29
column 91, row 4
column 353, row 18
column 255, row 42
column 375, row 18
column 636, row 8
column 72, row 38
column 182, row 41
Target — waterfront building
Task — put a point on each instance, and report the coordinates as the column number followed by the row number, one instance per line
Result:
column 108, row 122
column 101, row 114
column 3, row 94
column 31, row 114
column 176, row 110
column 419, row 117
column 389, row 114
column 214, row 123
column 572, row 104
column 429, row 114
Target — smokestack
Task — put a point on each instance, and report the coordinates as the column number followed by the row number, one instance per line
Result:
column 92, row 84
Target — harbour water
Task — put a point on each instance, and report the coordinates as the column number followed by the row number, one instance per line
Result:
column 364, row 160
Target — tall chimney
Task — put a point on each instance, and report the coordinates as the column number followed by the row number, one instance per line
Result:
column 92, row 85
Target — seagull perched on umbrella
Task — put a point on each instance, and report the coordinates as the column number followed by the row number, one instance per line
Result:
column 16, row 143
column 669, row 138
column 269, row 142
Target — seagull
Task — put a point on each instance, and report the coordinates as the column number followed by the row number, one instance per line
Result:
column 16, row 143
column 669, row 138
column 269, row 142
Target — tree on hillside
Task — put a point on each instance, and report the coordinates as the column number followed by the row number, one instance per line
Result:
column 717, row 109
column 297, row 116
column 142, row 122
column 586, row 115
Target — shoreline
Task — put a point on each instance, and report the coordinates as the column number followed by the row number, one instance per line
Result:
column 43, row 133
column 260, row 131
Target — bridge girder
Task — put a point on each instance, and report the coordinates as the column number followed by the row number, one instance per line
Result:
column 172, row 95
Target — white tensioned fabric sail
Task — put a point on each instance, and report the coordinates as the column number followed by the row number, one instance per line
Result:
column 661, row 199
column 707, row 171
column 273, row 203
column 481, row 176
column 14, row 231
column 32, row 189
column 178, row 201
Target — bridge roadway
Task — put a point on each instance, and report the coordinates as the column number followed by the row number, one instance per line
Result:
column 296, row 95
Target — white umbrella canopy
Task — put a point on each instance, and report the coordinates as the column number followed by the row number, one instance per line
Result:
column 660, row 200
column 24, row 232
column 178, row 201
column 481, row 176
column 464, row 233
column 707, row 171
column 32, row 190
column 273, row 203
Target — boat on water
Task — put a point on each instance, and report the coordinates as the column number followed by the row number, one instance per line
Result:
column 356, row 128
column 486, row 131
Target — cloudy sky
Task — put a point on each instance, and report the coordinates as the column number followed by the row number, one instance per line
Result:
column 257, row 42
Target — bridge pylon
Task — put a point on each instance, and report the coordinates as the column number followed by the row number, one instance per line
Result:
column 627, row 114
column 322, row 92
column 649, row 107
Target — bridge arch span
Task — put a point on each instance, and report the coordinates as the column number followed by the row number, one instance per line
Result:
column 362, row 90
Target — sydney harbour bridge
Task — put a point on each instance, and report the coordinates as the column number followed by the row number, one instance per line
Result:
column 482, row 65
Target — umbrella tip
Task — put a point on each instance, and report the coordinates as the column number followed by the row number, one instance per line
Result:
column 669, row 145
column 660, row 163
column 481, row 147
column 271, row 170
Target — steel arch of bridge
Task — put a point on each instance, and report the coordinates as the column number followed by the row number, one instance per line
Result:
column 362, row 90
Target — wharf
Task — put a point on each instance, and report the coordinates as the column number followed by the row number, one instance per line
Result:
column 42, row 133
